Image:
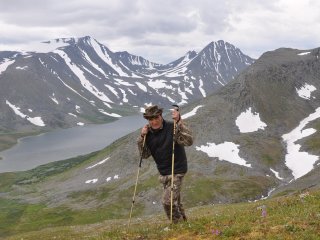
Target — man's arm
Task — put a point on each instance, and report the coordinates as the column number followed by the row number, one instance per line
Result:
column 183, row 134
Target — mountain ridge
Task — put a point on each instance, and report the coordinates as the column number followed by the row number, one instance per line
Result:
column 79, row 81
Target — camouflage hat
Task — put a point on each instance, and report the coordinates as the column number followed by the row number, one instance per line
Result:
column 152, row 111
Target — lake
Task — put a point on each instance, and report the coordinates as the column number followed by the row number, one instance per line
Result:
column 61, row 144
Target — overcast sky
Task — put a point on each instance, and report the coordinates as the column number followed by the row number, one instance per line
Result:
column 164, row 30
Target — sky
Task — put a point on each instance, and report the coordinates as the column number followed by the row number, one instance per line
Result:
column 163, row 31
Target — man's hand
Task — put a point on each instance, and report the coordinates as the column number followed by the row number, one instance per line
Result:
column 175, row 115
column 144, row 130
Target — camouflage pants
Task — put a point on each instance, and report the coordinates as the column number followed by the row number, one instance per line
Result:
column 177, row 208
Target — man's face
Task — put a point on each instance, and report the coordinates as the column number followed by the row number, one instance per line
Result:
column 155, row 122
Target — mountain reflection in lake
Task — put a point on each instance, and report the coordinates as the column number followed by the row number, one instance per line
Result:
column 62, row 144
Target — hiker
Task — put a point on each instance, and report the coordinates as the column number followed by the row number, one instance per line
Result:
column 159, row 144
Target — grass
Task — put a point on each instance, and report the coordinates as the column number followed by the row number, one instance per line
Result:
column 7, row 140
column 289, row 217
column 204, row 190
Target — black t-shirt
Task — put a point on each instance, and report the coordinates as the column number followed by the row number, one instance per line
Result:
column 160, row 144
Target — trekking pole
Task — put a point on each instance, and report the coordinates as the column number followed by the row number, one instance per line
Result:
column 172, row 170
column 135, row 187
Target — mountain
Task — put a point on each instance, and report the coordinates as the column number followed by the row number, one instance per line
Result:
column 255, row 137
column 73, row 81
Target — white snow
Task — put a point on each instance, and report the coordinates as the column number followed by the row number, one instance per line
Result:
column 124, row 99
column 34, row 120
column 73, row 115
column 192, row 113
column 96, row 66
column 249, row 122
column 78, row 109
column 268, row 195
column 175, row 81
column 68, row 86
column 305, row 91
column 106, row 58
column 80, row 74
column 227, row 151
column 99, row 163
column 124, row 83
column 54, row 99
column 303, row 53
column 132, row 73
column 22, row 68
column 141, row 86
column 300, row 163
column 110, row 114
column 114, row 177
column 132, row 92
column 201, row 89
column 112, row 89
column 156, row 84
column 4, row 65
column 188, row 90
column 176, row 72
column 92, row 180
column 90, row 72
column 80, row 123
column 276, row 174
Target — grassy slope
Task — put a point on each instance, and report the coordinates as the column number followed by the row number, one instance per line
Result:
column 293, row 217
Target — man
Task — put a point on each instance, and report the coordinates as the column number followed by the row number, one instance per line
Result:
column 159, row 143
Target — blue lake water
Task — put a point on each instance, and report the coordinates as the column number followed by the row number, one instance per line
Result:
column 33, row 151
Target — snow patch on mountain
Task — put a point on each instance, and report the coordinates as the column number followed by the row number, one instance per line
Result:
column 201, row 89
column 142, row 87
column 88, row 59
column 304, row 53
column 156, row 84
column 99, row 163
column 124, row 83
column 69, row 86
column 5, row 64
column 92, row 180
column 112, row 89
column 110, row 114
column 22, row 68
column 227, row 151
column 73, row 115
column 191, row 113
column 34, row 120
column 249, row 122
column 80, row 74
column 54, row 99
column 106, row 58
column 305, row 91
column 276, row 174
column 124, row 99
column 300, row 163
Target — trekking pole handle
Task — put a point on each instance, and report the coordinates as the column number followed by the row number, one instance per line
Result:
column 143, row 144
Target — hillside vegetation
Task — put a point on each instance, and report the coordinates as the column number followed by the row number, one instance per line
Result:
column 283, row 217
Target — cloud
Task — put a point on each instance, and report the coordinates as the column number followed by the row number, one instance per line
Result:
column 163, row 31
